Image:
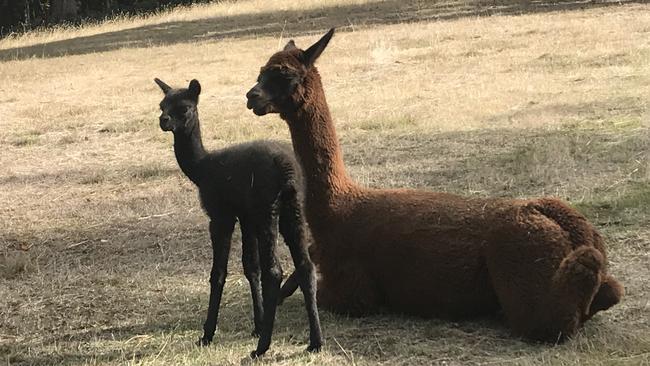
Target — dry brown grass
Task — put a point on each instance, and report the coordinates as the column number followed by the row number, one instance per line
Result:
column 105, row 254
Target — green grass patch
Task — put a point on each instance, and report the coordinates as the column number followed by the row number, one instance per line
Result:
column 31, row 137
column 616, row 123
column 94, row 177
column 628, row 205
column 151, row 172
column 396, row 122
column 133, row 125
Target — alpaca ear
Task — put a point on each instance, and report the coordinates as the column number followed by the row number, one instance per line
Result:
column 312, row 53
column 194, row 88
column 291, row 45
column 165, row 88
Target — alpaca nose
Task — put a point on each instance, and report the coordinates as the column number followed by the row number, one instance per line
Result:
column 165, row 122
column 254, row 92
column 252, row 96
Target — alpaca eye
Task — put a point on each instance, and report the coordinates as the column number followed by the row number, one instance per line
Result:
column 181, row 111
column 288, row 75
column 281, row 77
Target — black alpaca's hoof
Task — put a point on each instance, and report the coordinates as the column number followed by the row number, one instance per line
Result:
column 203, row 342
column 255, row 355
column 314, row 348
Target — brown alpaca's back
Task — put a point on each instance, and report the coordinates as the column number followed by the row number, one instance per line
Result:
column 432, row 254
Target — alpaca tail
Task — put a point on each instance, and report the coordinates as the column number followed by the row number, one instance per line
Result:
column 582, row 233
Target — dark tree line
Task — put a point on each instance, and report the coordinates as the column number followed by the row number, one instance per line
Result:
column 22, row 15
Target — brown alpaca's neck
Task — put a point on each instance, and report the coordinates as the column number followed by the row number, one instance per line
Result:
column 316, row 144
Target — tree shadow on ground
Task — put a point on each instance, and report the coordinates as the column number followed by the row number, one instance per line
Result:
column 295, row 23
column 72, row 346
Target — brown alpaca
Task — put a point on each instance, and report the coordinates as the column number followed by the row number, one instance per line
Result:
column 432, row 254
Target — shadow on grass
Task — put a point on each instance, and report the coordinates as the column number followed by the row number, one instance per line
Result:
column 295, row 23
column 79, row 347
column 142, row 342
column 386, row 336
column 568, row 161
column 69, row 358
column 89, row 176
column 631, row 207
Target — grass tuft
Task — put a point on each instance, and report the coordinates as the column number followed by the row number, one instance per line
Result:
column 15, row 263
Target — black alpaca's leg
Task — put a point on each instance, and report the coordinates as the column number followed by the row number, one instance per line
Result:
column 288, row 287
column 251, row 262
column 292, row 228
column 220, row 232
column 267, row 230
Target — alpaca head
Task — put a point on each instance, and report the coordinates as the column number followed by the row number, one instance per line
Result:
column 179, row 107
column 280, row 84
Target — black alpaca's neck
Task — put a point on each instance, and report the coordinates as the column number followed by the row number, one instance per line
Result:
column 189, row 150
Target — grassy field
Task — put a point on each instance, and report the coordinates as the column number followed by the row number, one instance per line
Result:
column 104, row 251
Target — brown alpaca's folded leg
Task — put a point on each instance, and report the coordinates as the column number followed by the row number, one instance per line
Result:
column 582, row 233
column 347, row 292
column 288, row 287
column 575, row 285
column 542, row 299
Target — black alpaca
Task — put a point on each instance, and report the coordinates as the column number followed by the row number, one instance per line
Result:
column 260, row 184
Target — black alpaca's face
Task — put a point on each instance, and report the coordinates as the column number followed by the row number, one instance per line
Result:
column 179, row 107
column 279, row 86
column 177, row 113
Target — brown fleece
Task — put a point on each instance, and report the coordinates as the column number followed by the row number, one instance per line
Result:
column 437, row 254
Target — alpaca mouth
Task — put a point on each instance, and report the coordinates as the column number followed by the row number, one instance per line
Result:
column 259, row 112
column 259, row 109
column 167, row 127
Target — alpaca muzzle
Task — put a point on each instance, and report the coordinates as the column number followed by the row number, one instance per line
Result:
column 166, row 123
column 257, row 102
